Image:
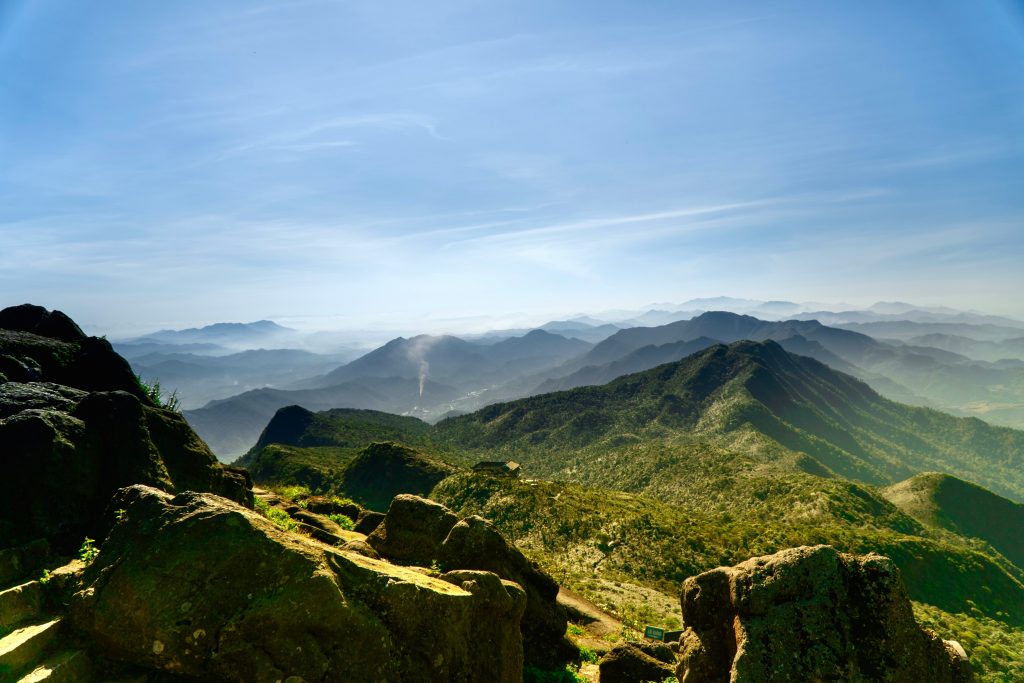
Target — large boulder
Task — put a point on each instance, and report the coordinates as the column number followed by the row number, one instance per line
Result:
column 76, row 426
column 632, row 663
column 197, row 585
column 413, row 530
column 421, row 532
column 809, row 613
column 474, row 543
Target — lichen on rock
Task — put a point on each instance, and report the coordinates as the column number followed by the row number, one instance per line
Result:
column 804, row 614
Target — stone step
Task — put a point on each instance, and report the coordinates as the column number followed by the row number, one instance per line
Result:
column 25, row 646
column 66, row 666
column 20, row 604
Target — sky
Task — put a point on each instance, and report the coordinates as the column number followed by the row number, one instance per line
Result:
column 170, row 164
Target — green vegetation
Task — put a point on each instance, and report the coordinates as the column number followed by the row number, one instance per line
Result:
column 347, row 428
column 294, row 493
column 317, row 468
column 88, row 551
column 157, row 396
column 568, row 674
column 582, row 532
column 996, row 649
column 943, row 502
column 344, row 521
column 748, row 398
column 276, row 515
column 590, row 538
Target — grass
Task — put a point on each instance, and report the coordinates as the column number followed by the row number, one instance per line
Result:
column 607, row 544
column 344, row 521
column 278, row 516
column 156, row 394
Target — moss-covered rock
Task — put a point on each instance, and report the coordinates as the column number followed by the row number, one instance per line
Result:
column 474, row 543
column 809, row 613
column 421, row 532
column 200, row 586
column 413, row 530
column 629, row 663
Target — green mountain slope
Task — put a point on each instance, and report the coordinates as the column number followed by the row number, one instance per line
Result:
column 381, row 471
column 584, row 532
column 299, row 446
column 749, row 397
column 945, row 502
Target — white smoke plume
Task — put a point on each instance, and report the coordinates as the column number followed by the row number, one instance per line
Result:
column 424, row 369
column 417, row 350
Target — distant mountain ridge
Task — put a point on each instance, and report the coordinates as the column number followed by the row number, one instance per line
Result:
column 476, row 373
column 227, row 334
column 755, row 393
column 455, row 361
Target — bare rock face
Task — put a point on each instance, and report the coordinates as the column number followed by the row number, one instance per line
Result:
column 805, row 614
column 422, row 532
column 76, row 426
column 199, row 586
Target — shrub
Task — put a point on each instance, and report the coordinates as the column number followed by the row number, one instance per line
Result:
column 294, row 492
column 344, row 521
column 276, row 515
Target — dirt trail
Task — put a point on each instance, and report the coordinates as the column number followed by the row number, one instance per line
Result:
column 592, row 618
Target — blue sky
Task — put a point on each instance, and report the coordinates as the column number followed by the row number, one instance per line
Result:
column 178, row 163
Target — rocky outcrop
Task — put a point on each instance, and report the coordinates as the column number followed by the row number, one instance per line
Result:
column 634, row 662
column 76, row 426
column 474, row 543
column 197, row 585
column 421, row 532
column 413, row 530
column 809, row 613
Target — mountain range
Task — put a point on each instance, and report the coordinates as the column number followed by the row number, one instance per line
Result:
column 738, row 448
column 469, row 374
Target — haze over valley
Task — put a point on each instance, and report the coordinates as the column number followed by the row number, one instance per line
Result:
column 231, row 378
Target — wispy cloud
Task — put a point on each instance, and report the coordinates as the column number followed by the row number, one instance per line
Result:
column 310, row 137
column 574, row 228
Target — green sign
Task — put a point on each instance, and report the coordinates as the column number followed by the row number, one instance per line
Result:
column 654, row 633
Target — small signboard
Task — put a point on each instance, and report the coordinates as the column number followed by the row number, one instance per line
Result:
column 654, row 633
